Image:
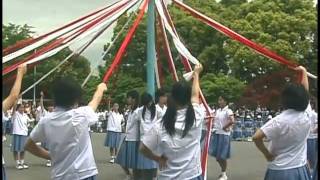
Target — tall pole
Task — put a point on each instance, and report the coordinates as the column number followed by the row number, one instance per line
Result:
column 34, row 88
column 151, row 51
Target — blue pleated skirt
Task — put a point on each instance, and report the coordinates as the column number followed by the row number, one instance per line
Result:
column 112, row 139
column 312, row 151
column 130, row 157
column 18, row 142
column 220, row 146
column 300, row 173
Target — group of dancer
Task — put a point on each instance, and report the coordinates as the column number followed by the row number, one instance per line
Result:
column 162, row 138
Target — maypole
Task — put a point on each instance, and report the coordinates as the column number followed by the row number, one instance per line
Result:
column 151, row 51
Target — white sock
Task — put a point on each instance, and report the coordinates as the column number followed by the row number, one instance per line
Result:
column 22, row 161
column 223, row 173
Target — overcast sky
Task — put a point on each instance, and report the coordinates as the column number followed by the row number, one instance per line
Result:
column 46, row 15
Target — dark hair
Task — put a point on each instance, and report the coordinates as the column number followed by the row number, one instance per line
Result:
column 225, row 98
column 146, row 99
column 159, row 93
column 180, row 95
column 295, row 96
column 66, row 92
column 50, row 103
column 18, row 106
column 134, row 95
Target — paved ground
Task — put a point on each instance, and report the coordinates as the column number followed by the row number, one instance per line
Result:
column 245, row 164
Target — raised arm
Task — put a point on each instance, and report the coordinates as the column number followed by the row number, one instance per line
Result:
column 15, row 106
column 14, row 93
column 304, row 80
column 97, row 97
column 195, row 84
column 41, row 101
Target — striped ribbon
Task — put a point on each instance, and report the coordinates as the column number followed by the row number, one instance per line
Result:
column 187, row 66
column 96, row 25
column 43, row 39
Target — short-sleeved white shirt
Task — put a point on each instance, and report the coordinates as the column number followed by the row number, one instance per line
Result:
column 20, row 124
column 132, row 129
column 114, row 121
column 67, row 136
column 221, row 119
column 288, row 134
column 40, row 113
column 183, row 153
column 146, row 123
column 314, row 125
column 160, row 112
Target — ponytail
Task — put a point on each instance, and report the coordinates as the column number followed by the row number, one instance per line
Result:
column 169, row 120
column 152, row 109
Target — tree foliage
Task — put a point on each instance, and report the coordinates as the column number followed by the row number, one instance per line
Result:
column 287, row 27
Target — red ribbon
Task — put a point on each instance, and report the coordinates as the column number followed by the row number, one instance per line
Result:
column 188, row 68
column 59, row 42
column 26, row 42
column 233, row 35
column 125, row 43
column 168, row 51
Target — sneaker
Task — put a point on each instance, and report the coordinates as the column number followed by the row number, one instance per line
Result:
column 19, row 167
column 48, row 164
column 112, row 160
column 222, row 177
column 25, row 166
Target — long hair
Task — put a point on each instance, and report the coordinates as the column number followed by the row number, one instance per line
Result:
column 146, row 99
column 134, row 95
column 159, row 94
column 180, row 96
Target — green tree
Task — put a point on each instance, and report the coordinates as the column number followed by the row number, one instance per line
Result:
column 214, row 86
column 287, row 27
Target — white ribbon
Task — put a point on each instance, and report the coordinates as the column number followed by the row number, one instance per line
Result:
column 178, row 44
column 52, row 36
column 94, row 30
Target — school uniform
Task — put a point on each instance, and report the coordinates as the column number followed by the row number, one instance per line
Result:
column 312, row 142
column 67, row 136
column 146, row 124
column 160, row 112
column 220, row 145
column 128, row 152
column 183, row 153
column 19, row 131
column 288, row 133
column 114, row 130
